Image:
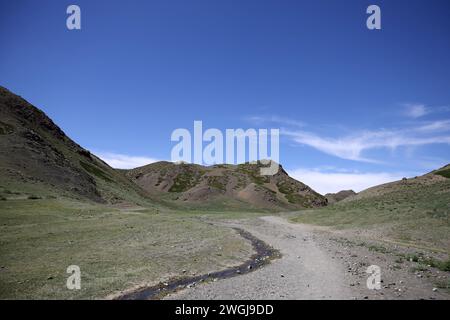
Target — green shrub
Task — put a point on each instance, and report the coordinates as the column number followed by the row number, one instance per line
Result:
column 412, row 257
column 217, row 182
column 445, row 266
column 444, row 173
column 183, row 182
column 441, row 265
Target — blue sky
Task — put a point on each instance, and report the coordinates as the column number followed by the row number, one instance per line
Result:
column 355, row 107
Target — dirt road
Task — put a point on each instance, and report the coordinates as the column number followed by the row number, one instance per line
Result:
column 312, row 267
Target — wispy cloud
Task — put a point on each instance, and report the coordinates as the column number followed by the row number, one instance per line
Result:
column 435, row 126
column 324, row 181
column 352, row 147
column 123, row 161
column 416, row 110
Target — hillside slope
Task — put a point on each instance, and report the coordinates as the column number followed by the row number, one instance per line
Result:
column 339, row 196
column 38, row 159
column 225, row 185
column 412, row 211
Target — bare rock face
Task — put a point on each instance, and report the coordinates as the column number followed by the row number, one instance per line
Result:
column 339, row 196
column 233, row 184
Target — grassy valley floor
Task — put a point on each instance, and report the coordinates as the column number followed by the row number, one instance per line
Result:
column 116, row 249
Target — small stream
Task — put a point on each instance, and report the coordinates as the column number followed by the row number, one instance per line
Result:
column 263, row 255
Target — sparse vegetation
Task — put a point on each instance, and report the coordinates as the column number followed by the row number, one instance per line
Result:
column 95, row 171
column 115, row 248
column 443, row 284
column 444, row 173
column 217, row 182
column 399, row 260
column 241, row 187
column 184, row 181
column 378, row 248
column 253, row 171
column 416, row 213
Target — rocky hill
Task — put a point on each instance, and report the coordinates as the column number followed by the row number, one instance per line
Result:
column 339, row 196
column 234, row 185
column 38, row 159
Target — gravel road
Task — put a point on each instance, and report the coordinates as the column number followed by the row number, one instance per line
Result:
column 315, row 264
column 305, row 270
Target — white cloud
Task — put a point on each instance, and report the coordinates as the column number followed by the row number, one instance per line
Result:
column 441, row 125
column 416, row 110
column 351, row 147
column 331, row 182
column 122, row 161
column 419, row 110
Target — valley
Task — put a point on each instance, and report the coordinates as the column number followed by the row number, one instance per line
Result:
column 163, row 223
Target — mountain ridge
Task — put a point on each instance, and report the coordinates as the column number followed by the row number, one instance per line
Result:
column 38, row 159
column 193, row 183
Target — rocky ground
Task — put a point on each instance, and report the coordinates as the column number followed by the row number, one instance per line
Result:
column 319, row 263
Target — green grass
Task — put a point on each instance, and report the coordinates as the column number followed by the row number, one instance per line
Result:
column 378, row 248
column 115, row 249
column 217, row 182
column 96, row 171
column 295, row 198
column 443, row 284
column 444, row 173
column 253, row 172
column 290, row 192
column 184, row 181
column 416, row 215
column 443, row 265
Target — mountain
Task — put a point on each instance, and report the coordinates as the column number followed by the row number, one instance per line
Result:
column 339, row 196
column 225, row 185
column 38, row 159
